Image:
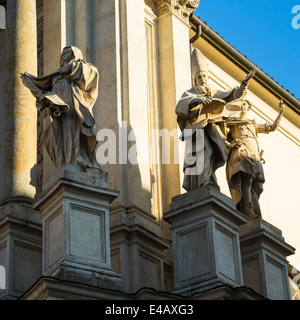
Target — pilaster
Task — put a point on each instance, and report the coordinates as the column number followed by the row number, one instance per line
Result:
column 120, row 52
column 182, row 8
column 175, row 78
column 55, row 37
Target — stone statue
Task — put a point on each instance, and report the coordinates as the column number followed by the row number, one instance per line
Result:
column 244, row 170
column 201, row 107
column 66, row 98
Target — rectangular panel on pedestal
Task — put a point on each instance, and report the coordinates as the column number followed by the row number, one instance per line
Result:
column 87, row 233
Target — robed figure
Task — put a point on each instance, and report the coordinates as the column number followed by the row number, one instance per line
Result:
column 201, row 107
column 66, row 98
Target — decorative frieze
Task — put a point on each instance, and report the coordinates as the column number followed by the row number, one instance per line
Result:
column 182, row 8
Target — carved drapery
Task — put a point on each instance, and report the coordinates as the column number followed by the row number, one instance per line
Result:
column 182, row 8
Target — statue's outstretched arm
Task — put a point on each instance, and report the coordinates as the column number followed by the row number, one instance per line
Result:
column 242, row 89
column 276, row 123
column 267, row 128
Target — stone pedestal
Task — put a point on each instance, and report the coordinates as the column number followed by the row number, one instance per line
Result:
column 20, row 250
column 75, row 215
column 264, row 253
column 205, row 235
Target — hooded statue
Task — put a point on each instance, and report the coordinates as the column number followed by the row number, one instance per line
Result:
column 201, row 107
column 66, row 98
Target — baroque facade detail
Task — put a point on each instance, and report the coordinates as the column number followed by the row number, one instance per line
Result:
column 182, row 8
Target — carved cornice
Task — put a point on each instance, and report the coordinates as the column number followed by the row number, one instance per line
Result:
column 182, row 8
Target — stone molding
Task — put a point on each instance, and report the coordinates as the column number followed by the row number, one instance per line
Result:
column 49, row 288
column 182, row 8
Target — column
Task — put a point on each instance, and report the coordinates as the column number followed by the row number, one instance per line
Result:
column 19, row 113
column 20, row 226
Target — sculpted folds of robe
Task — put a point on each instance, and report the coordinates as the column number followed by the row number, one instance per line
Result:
column 66, row 102
column 215, row 151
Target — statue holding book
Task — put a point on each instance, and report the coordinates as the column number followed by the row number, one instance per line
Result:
column 201, row 107
column 65, row 99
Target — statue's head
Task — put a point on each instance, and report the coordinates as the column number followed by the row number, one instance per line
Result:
column 70, row 54
column 200, row 72
column 201, row 81
column 245, row 107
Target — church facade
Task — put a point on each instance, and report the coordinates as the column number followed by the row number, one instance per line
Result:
column 142, row 50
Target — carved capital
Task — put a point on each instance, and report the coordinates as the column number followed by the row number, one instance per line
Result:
column 182, row 8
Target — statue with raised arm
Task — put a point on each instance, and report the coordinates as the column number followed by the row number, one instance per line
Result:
column 66, row 98
column 201, row 107
column 244, row 170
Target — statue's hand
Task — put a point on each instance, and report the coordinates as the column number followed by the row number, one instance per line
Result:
column 237, row 143
column 242, row 89
column 66, row 69
column 201, row 100
column 207, row 100
column 55, row 111
column 249, row 76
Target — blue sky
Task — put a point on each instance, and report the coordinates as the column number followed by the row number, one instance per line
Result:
column 261, row 30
